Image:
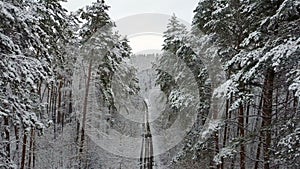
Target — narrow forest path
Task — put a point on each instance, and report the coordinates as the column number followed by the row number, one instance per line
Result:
column 147, row 157
column 147, row 77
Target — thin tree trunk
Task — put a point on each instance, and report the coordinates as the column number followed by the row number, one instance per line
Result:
column 16, row 158
column 43, row 94
column 258, row 153
column 48, row 101
column 295, row 105
column 217, row 148
column 286, row 104
column 7, row 137
column 225, row 131
column 39, row 84
column 24, row 151
column 54, row 109
column 77, row 131
column 87, row 87
column 59, row 112
column 70, row 103
column 247, row 117
column 63, row 111
column 277, row 132
column 231, row 129
column 30, row 155
column 233, row 162
column 260, row 134
column 242, row 135
column 30, row 151
column 267, row 115
column 33, row 150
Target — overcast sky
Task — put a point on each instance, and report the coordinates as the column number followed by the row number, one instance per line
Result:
column 122, row 8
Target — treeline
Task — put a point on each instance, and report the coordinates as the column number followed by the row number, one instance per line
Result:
column 257, row 44
column 40, row 47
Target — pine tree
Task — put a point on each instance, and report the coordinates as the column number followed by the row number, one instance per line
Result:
column 183, row 78
column 25, row 60
column 251, row 37
column 109, row 73
column 30, row 34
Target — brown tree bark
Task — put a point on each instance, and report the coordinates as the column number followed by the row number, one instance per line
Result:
column 267, row 115
column 87, row 88
column 24, row 151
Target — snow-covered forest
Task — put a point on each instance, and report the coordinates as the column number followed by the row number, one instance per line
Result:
column 65, row 75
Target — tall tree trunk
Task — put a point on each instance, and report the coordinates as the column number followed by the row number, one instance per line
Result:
column 295, row 105
column 217, row 148
column 256, row 165
column 17, row 156
column 231, row 129
column 59, row 107
column 247, row 117
column 70, row 109
column 242, row 135
column 30, row 151
column 267, row 115
column 87, row 88
column 260, row 134
column 48, row 106
column 286, row 104
column 54, row 109
column 225, row 131
column 77, row 131
column 7, row 137
column 24, row 151
column 33, row 150
column 30, row 155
